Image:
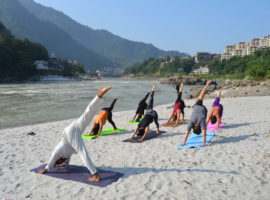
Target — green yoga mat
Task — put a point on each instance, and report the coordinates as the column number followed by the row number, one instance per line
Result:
column 104, row 133
column 134, row 122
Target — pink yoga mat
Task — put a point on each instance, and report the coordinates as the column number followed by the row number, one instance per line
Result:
column 212, row 127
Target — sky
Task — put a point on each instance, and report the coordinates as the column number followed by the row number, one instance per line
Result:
column 183, row 25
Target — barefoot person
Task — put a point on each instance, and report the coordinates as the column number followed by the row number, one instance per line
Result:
column 216, row 112
column 151, row 115
column 178, row 107
column 104, row 115
column 141, row 107
column 72, row 142
column 198, row 118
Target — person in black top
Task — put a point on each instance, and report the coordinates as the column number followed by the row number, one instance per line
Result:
column 141, row 107
column 151, row 115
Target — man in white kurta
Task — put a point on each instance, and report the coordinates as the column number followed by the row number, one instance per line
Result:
column 72, row 142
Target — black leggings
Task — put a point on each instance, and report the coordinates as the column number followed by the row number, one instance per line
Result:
column 109, row 110
column 179, row 97
column 151, row 101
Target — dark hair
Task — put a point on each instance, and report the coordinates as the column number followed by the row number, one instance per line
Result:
column 197, row 130
column 60, row 160
column 174, row 117
column 213, row 119
column 96, row 129
column 140, row 131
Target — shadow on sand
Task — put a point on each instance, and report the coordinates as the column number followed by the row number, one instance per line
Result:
column 130, row 171
column 231, row 139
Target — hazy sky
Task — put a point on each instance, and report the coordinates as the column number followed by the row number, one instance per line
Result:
column 183, row 25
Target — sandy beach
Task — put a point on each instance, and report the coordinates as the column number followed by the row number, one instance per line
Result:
column 235, row 165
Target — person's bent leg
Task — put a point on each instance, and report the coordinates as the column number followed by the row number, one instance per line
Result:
column 112, row 105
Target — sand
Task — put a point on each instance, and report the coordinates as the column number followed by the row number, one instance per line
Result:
column 235, row 165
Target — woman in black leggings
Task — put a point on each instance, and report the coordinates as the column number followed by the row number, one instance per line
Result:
column 141, row 107
column 151, row 115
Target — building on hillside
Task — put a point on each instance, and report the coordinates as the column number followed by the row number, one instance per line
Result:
column 202, row 56
column 41, row 64
column 203, row 70
column 245, row 48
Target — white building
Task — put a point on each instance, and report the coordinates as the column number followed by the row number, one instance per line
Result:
column 202, row 70
column 42, row 64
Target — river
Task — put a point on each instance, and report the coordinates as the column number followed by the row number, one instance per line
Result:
column 32, row 103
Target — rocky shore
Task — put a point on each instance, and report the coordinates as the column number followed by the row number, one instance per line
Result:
column 231, row 88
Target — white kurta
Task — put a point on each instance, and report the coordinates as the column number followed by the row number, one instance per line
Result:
column 72, row 142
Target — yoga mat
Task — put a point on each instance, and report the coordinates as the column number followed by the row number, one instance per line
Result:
column 134, row 122
column 80, row 174
column 150, row 135
column 103, row 133
column 212, row 127
column 196, row 140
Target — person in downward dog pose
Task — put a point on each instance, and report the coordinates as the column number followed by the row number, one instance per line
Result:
column 151, row 115
column 178, row 107
column 104, row 115
column 72, row 142
column 198, row 118
column 216, row 112
column 141, row 107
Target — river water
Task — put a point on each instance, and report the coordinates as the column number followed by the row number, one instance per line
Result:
column 32, row 103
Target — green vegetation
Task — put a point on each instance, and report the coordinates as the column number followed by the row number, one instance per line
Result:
column 17, row 59
column 17, row 56
column 256, row 66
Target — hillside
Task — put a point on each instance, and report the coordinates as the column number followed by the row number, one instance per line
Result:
column 121, row 51
column 22, row 24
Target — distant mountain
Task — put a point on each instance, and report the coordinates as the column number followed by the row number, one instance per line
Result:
column 115, row 48
column 22, row 24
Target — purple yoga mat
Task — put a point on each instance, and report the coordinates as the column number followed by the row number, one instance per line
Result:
column 80, row 174
column 212, row 127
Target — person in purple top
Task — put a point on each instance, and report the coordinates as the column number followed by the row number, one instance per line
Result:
column 216, row 112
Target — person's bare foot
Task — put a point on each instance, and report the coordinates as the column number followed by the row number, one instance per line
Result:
column 130, row 139
column 154, row 86
column 42, row 171
column 102, row 91
column 94, row 178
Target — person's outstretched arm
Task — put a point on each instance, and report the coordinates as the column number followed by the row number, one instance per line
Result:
column 100, row 129
column 204, row 90
column 209, row 116
column 204, row 138
column 145, row 134
column 185, row 138
column 170, row 118
column 131, row 138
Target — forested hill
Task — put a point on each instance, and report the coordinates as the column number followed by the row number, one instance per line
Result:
column 120, row 52
column 17, row 57
column 22, row 24
column 256, row 66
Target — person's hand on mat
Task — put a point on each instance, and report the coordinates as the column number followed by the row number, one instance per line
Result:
column 202, row 145
column 183, row 144
column 94, row 178
column 42, row 171
column 130, row 139
column 140, row 140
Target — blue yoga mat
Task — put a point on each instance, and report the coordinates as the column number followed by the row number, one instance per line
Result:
column 196, row 140
column 80, row 174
